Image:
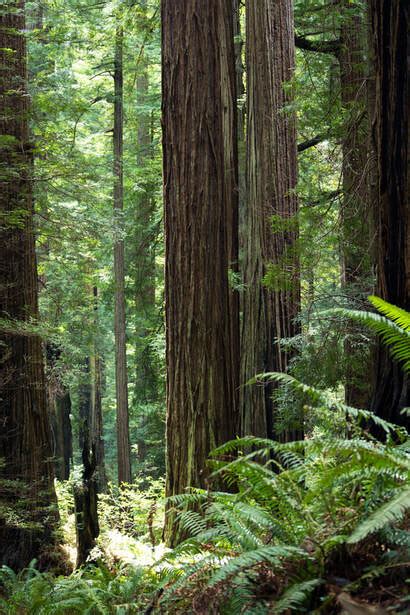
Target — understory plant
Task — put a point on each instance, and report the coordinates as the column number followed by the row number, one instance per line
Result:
column 301, row 524
column 94, row 590
column 299, row 527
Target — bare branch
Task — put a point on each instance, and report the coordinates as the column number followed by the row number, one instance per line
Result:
column 311, row 142
column 332, row 46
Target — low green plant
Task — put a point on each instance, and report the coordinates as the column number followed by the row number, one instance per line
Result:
column 89, row 591
column 308, row 505
column 134, row 509
column 307, row 519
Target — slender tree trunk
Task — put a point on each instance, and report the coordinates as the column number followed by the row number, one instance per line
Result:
column 200, row 192
column 241, row 114
column 356, row 211
column 63, row 411
column 84, row 403
column 59, row 410
column 389, row 34
column 121, row 380
column 271, row 267
column 28, row 514
column 144, row 265
column 85, row 493
column 146, row 231
column 86, row 503
column 96, row 424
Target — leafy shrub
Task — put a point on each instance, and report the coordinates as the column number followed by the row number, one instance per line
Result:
column 135, row 510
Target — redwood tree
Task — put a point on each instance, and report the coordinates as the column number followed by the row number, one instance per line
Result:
column 271, row 272
column 389, row 28
column 27, row 499
column 200, row 192
column 355, row 209
column 121, row 377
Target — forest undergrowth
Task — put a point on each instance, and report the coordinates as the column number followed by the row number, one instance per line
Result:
column 320, row 525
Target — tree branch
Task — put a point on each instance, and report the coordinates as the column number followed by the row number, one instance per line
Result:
column 318, row 46
column 310, row 143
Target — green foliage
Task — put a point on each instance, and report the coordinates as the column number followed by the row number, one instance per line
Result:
column 393, row 510
column 70, row 51
column 393, row 328
column 128, row 509
column 92, row 591
column 301, row 513
column 311, row 502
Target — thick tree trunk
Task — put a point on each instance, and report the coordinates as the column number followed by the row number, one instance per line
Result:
column 200, row 192
column 356, row 211
column 271, row 267
column 28, row 514
column 121, row 379
column 389, row 34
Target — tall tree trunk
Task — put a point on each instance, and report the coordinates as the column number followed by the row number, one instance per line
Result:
column 145, row 236
column 65, row 449
column 84, row 402
column 200, row 192
column 85, row 492
column 271, row 267
column 355, row 213
column 121, row 380
column 146, row 232
column 86, row 503
column 241, row 114
column 389, row 33
column 59, row 410
column 28, row 514
column 96, row 422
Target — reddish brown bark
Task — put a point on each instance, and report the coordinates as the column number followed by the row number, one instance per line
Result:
column 121, row 376
column 389, row 35
column 26, row 474
column 270, row 309
column 355, row 211
column 200, row 191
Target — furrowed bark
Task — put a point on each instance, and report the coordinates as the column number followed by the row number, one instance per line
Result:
column 270, row 308
column 29, row 513
column 200, row 193
column 121, row 379
column 389, row 35
column 355, row 206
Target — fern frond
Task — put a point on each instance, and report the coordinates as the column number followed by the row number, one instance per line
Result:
column 244, row 443
column 295, row 596
column 395, row 337
column 321, row 398
column 391, row 511
column 398, row 315
column 271, row 555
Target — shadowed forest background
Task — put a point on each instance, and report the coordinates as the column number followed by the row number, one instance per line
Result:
column 204, row 307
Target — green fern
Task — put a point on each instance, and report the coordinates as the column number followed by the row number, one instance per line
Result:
column 398, row 315
column 392, row 325
column 296, row 596
column 391, row 511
